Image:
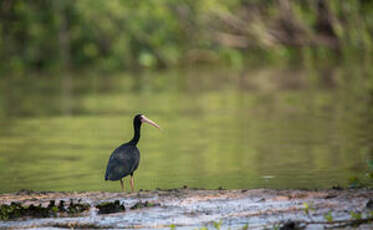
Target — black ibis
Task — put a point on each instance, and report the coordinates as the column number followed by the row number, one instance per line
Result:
column 125, row 159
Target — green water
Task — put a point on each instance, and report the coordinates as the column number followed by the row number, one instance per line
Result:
column 271, row 128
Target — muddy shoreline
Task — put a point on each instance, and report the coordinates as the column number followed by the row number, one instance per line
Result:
column 196, row 208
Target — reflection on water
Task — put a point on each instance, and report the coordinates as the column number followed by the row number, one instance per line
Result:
column 243, row 129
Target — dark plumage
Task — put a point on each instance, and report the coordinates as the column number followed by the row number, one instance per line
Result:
column 123, row 162
column 125, row 159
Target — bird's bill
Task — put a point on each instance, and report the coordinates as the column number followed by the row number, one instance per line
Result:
column 147, row 120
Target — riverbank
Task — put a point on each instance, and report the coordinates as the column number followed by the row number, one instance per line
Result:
column 193, row 208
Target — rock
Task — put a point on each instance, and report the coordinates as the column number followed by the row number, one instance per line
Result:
column 110, row 207
column 337, row 187
column 290, row 225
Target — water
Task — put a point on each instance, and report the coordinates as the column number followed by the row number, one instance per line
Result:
column 271, row 128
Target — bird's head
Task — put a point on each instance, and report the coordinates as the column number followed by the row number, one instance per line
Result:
column 139, row 119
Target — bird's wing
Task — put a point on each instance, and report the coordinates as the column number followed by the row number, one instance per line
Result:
column 122, row 162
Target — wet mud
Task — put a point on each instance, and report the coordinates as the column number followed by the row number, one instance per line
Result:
column 190, row 209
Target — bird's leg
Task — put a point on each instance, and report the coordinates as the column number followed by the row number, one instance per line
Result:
column 121, row 184
column 132, row 186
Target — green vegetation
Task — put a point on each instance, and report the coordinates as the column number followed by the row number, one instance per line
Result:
column 370, row 168
column 356, row 215
column 329, row 217
column 121, row 35
column 308, row 208
column 217, row 225
column 16, row 210
column 365, row 180
column 145, row 204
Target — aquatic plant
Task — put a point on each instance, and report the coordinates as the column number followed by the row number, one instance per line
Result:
column 276, row 227
column 328, row 217
column 308, row 208
column 217, row 225
column 356, row 215
column 145, row 204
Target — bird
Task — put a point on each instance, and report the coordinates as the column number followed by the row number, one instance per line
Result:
column 125, row 159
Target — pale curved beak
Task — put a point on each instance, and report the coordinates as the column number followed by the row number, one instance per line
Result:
column 147, row 120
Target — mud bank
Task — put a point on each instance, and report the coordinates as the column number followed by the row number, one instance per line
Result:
column 191, row 209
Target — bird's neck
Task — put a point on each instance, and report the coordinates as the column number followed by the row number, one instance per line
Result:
column 136, row 135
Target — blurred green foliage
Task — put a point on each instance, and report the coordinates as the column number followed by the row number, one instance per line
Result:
column 114, row 35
